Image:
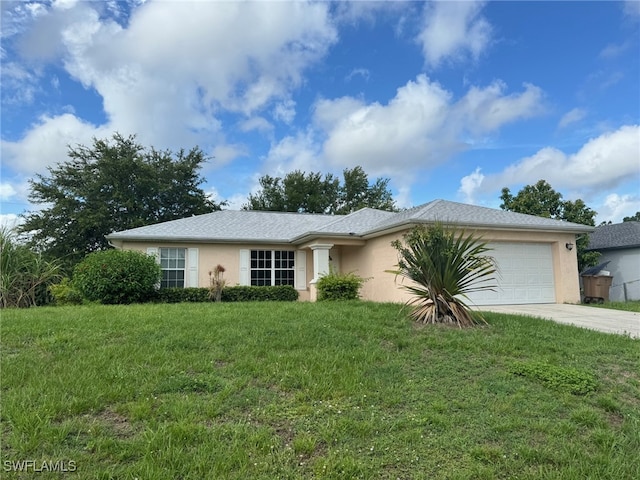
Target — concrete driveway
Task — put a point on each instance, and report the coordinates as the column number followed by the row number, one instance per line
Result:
column 602, row 319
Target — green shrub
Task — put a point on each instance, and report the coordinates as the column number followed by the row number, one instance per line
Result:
column 64, row 293
column 565, row 379
column 277, row 293
column 117, row 276
column 179, row 295
column 339, row 286
column 281, row 293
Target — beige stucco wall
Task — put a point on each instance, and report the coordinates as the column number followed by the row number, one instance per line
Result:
column 227, row 255
column 375, row 257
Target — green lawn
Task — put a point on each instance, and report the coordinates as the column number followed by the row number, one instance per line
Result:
column 299, row 390
column 631, row 306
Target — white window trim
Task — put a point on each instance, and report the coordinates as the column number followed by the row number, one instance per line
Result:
column 190, row 266
column 299, row 267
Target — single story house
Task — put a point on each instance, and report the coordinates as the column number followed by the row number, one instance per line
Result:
column 619, row 244
column 535, row 256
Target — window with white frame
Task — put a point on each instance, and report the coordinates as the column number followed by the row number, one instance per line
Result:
column 173, row 265
column 272, row 267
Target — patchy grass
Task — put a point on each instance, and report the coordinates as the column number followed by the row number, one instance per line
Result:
column 631, row 306
column 295, row 390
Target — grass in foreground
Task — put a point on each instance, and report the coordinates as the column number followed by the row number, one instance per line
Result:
column 334, row 390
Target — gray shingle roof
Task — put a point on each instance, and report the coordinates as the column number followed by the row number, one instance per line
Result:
column 276, row 227
column 229, row 226
column 615, row 236
column 476, row 217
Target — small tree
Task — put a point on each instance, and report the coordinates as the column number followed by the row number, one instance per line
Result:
column 443, row 268
column 117, row 276
column 216, row 283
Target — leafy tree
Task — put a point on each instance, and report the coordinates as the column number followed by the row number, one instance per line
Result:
column 443, row 268
column 24, row 274
column 111, row 186
column 632, row 218
column 543, row 201
column 313, row 193
column 356, row 193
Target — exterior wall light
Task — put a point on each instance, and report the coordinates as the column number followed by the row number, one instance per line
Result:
column 569, row 246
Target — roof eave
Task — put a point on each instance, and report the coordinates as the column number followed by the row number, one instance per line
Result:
column 308, row 236
column 619, row 247
column 577, row 229
column 187, row 239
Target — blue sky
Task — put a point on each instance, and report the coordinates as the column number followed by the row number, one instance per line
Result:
column 451, row 100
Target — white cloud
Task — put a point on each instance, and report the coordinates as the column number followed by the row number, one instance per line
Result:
column 361, row 72
column 632, row 8
column 469, row 185
column 208, row 57
column 602, row 163
column 6, row 191
column 256, row 123
column 487, row 109
column 296, row 152
column 10, row 220
column 385, row 138
column 225, row 154
column 14, row 193
column 453, row 30
column 285, row 111
column 236, row 201
column 615, row 207
column 614, row 50
column 420, row 127
column 572, row 116
column 19, row 84
column 46, row 143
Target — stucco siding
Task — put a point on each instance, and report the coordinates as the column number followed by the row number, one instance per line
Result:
column 227, row 255
column 374, row 259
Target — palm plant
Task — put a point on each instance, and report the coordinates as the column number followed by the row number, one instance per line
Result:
column 443, row 269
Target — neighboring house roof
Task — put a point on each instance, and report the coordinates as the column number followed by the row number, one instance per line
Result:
column 615, row 236
column 277, row 227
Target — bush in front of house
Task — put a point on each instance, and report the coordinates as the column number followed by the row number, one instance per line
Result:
column 117, row 276
column 280, row 293
column 339, row 286
column 180, row 295
column 65, row 293
column 276, row 293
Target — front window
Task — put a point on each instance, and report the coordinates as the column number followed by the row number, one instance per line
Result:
column 272, row 267
column 172, row 263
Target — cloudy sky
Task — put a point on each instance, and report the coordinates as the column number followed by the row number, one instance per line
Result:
column 451, row 100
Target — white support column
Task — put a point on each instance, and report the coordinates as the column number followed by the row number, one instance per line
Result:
column 320, row 259
column 320, row 265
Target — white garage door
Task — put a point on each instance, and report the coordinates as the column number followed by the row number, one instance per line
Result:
column 525, row 275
